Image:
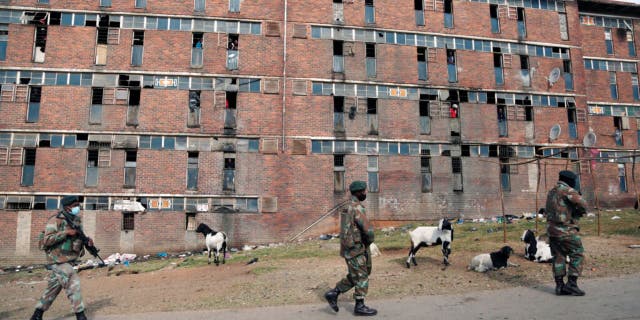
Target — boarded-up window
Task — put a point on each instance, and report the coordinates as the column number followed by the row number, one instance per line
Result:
column 15, row 156
column 300, row 31
column 270, row 145
column 113, row 36
column 272, row 29
column 191, row 221
column 564, row 30
column 271, row 86
column 299, row 147
column 269, row 204
column 132, row 115
column 101, row 54
column 299, row 87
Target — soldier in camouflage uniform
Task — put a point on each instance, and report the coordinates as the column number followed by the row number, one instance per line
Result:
column 564, row 208
column 63, row 247
column 356, row 234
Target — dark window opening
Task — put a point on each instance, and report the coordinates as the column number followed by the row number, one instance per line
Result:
column 493, row 151
column 524, row 62
column 338, row 160
column 448, row 6
column 528, row 113
column 493, row 11
column 422, row 54
column 451, row 56
column 229, row 163
column 497, row 60
column 97, row 95
column 372, row 106
column 138, row 37
column 232, row 99
column 92, row 158
column 128, row 219
column 456, row 165
column 197, row 39
column 424, row 107
column 566, row 66
column 233, row 41
column 465, row 150
column 103, row 35
column 337, row 47
column 338, row 104
column 370, row 50
column 124, row 81
column 418, row 4
column 35, row 95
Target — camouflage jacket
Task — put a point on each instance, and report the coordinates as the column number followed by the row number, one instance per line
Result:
column 60, row 247
column 564, row 208
column 356, row 232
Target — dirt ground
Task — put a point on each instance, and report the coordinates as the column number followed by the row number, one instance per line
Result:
column 298, row 281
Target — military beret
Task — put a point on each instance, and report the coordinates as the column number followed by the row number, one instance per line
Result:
column 69, row 200
column 357, row 186
column 568, row 174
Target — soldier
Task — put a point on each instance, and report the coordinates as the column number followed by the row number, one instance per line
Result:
column 564, row 208
column 63, row 247
column 356, row 234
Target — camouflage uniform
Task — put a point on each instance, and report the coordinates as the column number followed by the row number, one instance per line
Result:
column 564, row 208
column 62, row 250
column 356, row 234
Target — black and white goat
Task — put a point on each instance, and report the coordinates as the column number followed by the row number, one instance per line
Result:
column 535, row 249
column 492, row 261
column 215, row 240
column 430, row 236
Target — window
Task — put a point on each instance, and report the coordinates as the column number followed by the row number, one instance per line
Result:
column 193, row 119
column 141, row 4
column 613, row 85
column 524, row 71
column 372, row 173
column 634, row 86
column 96, row 203
column 502, row 121
column 369, row 12
column 4, row 40
column 618, row 123
column 190, row 221
column 572, row 117
column 497, row 67
column 137, row 48
column 425, row 173
column 91, row 177
column 425, row 119
column 232, row 52
column 196, row 50
column 452, row 70
column 338, row 114
column 419, row 7
column 631, row 44
column 568, row 75
column 338, row 173
column 338, row 57
column 128, row 219
column 33, row 109
column 522, row 27
column 623, row 177
column 456, row 170
column 40, row 44
column 234, row 5
column 495, row 23
column 423, row 71
column 95, row 113
column 130, row 169
column 372, row 116
column 199, row 5
column 505, row 178
column 192, row 171
column 28, row 167
column 608, row 42
column 448, row 14
column 105, row 3
column 370, row 59
column 229, row 172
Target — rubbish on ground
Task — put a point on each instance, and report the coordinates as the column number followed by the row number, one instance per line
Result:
column 252, row 261
column 615, row 218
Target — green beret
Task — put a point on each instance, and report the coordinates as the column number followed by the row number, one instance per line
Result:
column 567, row 174
column 357, row 186
column 69, row 200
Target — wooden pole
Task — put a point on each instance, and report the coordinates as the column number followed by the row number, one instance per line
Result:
column 504, row 220
column 633, row 176
column 595, row 196
column 535, row 212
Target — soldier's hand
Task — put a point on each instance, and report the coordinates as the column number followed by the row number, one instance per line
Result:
column 71, row 232
column 90, row 242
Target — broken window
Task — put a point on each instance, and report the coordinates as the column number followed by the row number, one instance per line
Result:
column 192, row 170
column 452, row 70
column 425, row 119
column 40, row 44
column 619, row 124
column 608, row 41
column 524, row 71
column 193, row 118
column 372, row 116
column 130, row 169
column 423, row 71
column 448, row 14
column 522, row 27
column 634, row 86
column 567, row 74
column 623, row 177
column 369, row 12
column 128, row 219
column 4, row 40
column 95, row 113
column 199, row 5
column 228, row 183
column 425, row 173
column 631, row 44
column 233, row 52
column 456, row 170
column 338, row 173
column 418, row 6
column 196, row 50
column 338, row 12
column 571, row 117
column 502, row 121
column 498, row 66
column 372, row 174
column 33, row 109
column 190, row 221
column 133, row 107
column 137, row 48
column 234, row 5
column 338, row 56
column 564, row 26
column 338, row 114
column 230, row 112
column 613, row 85
column 505, row 178
column 493, row 14
column 370, row 53
column 28, row 167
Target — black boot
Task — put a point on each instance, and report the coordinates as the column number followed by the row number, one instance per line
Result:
column 332, row 298
column 560, row 287
column 80, row 316
column 362, row 310
column 37, row 314
column 572, row 287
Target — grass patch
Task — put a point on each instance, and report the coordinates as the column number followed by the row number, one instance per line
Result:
column 148, row 266
column 263, row 270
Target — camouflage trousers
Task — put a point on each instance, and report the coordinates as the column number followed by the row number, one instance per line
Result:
column 563, row 247
column 62, row 276
column 359, row 269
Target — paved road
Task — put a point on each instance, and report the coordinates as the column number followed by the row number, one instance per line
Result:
column 606, row 299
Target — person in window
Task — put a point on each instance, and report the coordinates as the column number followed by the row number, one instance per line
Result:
column 233, row 45
column 451, row 58
column 199, row 44
column 453, row 111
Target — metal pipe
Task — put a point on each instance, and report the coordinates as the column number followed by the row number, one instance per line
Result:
column 284, row 77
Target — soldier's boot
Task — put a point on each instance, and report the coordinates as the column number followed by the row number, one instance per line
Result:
column 362, row 310
column 332, row 298
column 37, row 314
column 560, row 287
column 80, row 316
column 572, row 287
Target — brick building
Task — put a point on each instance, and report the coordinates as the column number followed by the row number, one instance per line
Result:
column 254, row 117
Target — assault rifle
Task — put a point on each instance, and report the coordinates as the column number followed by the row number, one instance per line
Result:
column 85, row 240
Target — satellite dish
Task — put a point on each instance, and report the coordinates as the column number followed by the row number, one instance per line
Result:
column 554, row 133
column 554, row 75
column 589, row 139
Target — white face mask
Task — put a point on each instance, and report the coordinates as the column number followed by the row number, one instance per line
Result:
column 75, row 211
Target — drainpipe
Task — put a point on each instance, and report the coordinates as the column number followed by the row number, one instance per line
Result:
column 284, row 79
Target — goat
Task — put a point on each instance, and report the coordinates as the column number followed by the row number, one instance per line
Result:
column 215, row 240
column 492, row 261
column 535, row 249
column 429, row 236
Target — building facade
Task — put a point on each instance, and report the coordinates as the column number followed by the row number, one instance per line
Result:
column 254, row 117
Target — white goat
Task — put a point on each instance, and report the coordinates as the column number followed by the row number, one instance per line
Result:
column 492, row 261
column 429, row 236
column 215, row 240
column 535, row 249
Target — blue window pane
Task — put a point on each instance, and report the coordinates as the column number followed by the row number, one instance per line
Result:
column 499, row 76
column 33, row 112
column 175, row 24
column 74, row 79
column 609, row 45
column 145, row 142
column 316, row 146
column 316, row 88
column 66, row 19
column 614, row 91
column 27, row 175
column 315, row 32
column 254, row 145
column 61, row 78
column 254, row 85
column 79, row 20
column 568, row 81
column 52, row 204
column 404, row 148
column 163, row 23
column 3, row 50
column 452, row 72
column 393, row 148
column 156, row 142
column 636, row 94
column 56, row 141
column 495, row 26
column 632, row 49
column 70, row 141
column 169, row 143
column 448, row 20
column 255, row 28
